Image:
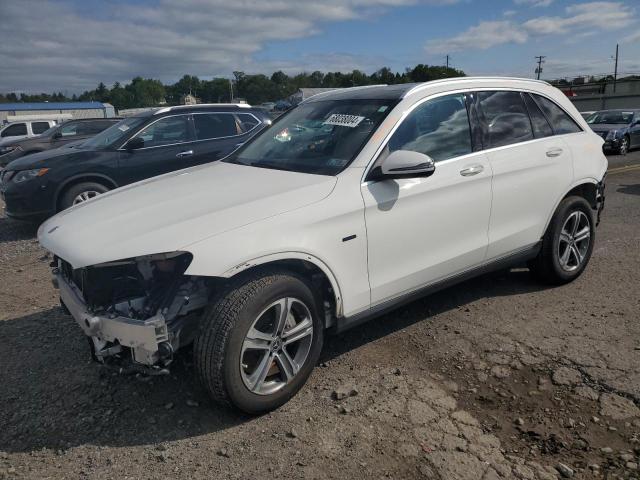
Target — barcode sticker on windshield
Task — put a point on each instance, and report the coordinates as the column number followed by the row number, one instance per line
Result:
column 343, row 120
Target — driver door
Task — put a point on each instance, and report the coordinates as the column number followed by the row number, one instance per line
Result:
column 422, row 230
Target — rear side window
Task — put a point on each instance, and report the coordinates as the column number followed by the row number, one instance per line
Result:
column 438, row 128
column 39, row 127
column 504, row 117
column 247, row 122
column 215, row 125
column 561, row 122
column 541, row 127
column 15, row 130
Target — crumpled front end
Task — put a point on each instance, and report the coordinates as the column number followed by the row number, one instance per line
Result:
column 138, row 310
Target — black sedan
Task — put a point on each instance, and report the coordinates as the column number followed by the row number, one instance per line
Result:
column 149, row 144
column 620, row 129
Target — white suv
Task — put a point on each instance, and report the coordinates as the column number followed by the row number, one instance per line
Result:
column 354, row 202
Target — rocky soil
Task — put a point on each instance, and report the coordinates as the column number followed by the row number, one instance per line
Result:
column 496, row 378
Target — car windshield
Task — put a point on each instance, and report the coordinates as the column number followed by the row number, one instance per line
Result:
column 318, row 137
column 114, row 133
column 622, row 118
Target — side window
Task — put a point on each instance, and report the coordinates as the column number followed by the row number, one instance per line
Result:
column 91, row 128
column 38, row 127
column 166, row 131
column 69, row 129
column 215, row 125
column 505, row 118
column 438, row 128
column 561, row 122
column 541, row 127
column 15, row 130
column 247, row 122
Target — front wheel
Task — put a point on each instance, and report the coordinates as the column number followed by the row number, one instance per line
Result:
column 567, row 244
column 259, row 341
column 80, row 193
column 623, row 149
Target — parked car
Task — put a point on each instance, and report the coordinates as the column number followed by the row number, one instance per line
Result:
column 351, row 204
column 55, row 137
column 587, row 114
column 23, row 129
column 136, row 148
column 620, row 129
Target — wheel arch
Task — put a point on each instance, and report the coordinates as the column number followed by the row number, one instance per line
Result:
column 586, row 188
column 85, row 177
column 308, row 266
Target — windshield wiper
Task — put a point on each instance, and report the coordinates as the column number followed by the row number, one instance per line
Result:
column 271, row 165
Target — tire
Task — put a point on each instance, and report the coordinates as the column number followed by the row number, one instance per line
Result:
column 550, row 265
column 625, row 143
column 71, row 194
column 228, row 370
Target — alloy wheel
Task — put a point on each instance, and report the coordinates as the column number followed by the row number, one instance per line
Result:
column 276, row 346
column 624, row 146
column 84, row 196
column 575, row 237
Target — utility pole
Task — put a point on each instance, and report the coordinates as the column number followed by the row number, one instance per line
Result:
column 230, row 91
column 615, row 74
column 540, row 59
column 447, row 61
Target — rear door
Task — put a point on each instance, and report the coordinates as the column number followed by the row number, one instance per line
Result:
column 531, row 167
column 167, row 145
column 219, row 133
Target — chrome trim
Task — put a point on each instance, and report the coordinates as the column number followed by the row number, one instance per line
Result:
column 204, row 105
column 123, row 149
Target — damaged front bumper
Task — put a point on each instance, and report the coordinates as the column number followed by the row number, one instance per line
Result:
column 135, row 311
column 148, row 339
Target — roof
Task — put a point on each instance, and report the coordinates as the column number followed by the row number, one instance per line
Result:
column 51, row 106
column 200, row 106
column 401, row 90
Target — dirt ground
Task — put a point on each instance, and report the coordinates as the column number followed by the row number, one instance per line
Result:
column 499, row 377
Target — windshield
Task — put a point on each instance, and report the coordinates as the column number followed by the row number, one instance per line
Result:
column 622, row 118
column 317, row 137
column 114, row 133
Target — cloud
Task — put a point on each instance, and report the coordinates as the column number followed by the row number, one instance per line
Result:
column 56, row 45
column 579, row 18
column 534, row 3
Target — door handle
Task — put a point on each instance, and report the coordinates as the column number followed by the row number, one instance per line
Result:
column 186, row 153
column 554, row 152
column 472, row 170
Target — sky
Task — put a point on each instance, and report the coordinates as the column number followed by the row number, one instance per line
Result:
column 72, row 45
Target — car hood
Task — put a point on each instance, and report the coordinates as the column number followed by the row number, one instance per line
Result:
column 49, row 158
column 605, row 127
column 171, row 212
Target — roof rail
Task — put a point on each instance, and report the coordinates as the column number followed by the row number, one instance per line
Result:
column 361, row 87
column 424, row 85
column 177, row 107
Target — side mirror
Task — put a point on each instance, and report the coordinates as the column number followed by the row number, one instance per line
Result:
column 135, row 143
column 405, row 164
column 57, row 135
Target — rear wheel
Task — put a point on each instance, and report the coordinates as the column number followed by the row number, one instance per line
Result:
column 259, row 341
column 567, row 244
column 80, row 193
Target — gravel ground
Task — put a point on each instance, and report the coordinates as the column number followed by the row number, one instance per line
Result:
column 498, row 377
